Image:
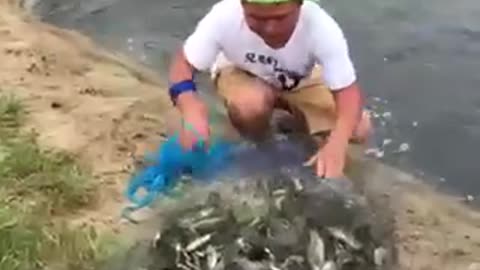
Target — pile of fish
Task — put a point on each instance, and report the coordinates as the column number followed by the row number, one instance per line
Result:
column 289, row 220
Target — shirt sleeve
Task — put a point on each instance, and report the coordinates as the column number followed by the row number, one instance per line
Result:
column 202, row 46
column 331, row 51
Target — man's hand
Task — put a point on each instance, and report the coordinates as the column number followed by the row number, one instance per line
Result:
column 194, row 113
column 195, row 126
column 330, row 159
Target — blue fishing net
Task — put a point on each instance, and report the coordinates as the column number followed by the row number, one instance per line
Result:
column 166, row 166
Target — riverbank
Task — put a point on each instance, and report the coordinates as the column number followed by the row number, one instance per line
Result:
column 432, row 230
column 104, row 110
column 97, row 106
column 39, row 190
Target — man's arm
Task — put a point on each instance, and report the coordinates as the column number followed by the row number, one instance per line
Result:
column 331, row 51
column 198, row 52
column 182, row 70
column 349, row 107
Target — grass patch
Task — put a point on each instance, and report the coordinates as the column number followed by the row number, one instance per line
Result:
column 50, row 177
column 11, row 112
column 37, row 187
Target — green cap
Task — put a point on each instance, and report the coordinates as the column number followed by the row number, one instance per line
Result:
column 273, row 1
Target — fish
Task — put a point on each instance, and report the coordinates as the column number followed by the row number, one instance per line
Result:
column 288, row 220
column 330, row 265
column 193, row 217
column 206, row 222
column 379, row 256
column 297, row 184
column 316, row 251
column 196, row 243
column 212, row 258
column 156, row 239
column 348, row 238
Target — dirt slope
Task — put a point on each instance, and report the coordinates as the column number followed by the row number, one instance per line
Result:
column 105, row 109
column 81, row 99
column 432, row 230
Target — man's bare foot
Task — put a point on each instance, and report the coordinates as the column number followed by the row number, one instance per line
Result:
column 364, row 129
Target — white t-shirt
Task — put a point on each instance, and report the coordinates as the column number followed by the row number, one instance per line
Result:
column 223, row 38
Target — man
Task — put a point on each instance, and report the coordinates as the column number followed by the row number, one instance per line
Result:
column 266, row 54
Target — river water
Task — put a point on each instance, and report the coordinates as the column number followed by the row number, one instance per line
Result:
column 418, row 62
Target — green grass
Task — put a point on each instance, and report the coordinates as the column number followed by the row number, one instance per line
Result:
column 11, row 112
column 37, row 189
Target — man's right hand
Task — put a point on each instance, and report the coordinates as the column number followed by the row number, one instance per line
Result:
column 195, row 125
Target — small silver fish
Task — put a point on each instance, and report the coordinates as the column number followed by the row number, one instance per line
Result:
column 270, row 254
column 254, row 222
column 292, row 259
column 206, row 222
column 279, row 192
column 245, row 264
column 316, row 251
column 194, row 217
column 156, row 239
column 241, row 243
column 343, row 257
column 272, row 266
column 198, row 242
column 346, row 237
column 297, row 184
column 178, row 249
column 212, row 257
column 206, row 212
column 379, row 256
column 329, row 266
column 278, row 202
column 191, row 260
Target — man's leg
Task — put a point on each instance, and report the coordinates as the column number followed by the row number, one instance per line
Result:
column 249, row 102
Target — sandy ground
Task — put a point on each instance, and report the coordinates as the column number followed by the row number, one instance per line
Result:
column 81, row 99
column 432, row 230
column 105, row 109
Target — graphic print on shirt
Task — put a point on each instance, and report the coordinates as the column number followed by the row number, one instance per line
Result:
column 288, row 79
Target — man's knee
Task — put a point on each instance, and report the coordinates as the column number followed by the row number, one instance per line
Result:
column 251, row 104
column 250, row 109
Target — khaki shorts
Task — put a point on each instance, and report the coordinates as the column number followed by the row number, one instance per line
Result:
column 311, row 101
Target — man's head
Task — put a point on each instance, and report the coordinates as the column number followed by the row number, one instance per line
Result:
column 273, row 20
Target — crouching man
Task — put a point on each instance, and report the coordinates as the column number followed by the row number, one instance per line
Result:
column 267, row 54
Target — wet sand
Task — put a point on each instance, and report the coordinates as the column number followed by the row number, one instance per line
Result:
column 105, row 108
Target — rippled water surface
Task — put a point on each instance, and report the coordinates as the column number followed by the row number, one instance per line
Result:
column 418, row 61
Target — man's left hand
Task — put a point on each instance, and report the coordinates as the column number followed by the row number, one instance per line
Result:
column 330, row 159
